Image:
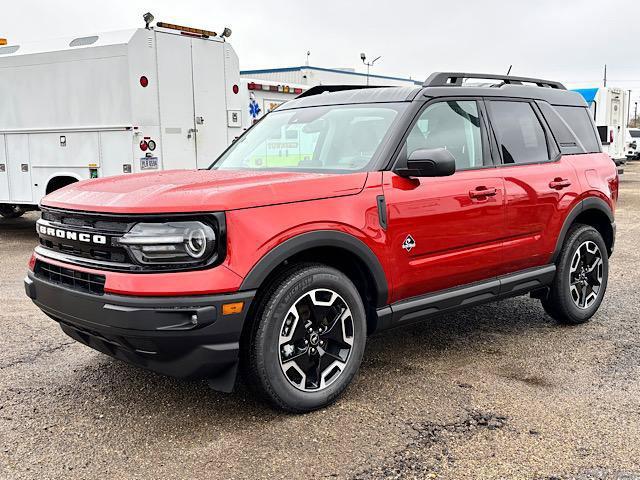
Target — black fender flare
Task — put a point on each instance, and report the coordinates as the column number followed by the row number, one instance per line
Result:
column 591, row 203
column 319, row 238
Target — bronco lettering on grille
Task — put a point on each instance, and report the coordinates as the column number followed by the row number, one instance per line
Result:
column 75, row 236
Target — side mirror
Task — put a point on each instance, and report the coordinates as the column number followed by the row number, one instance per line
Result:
column 436, row 162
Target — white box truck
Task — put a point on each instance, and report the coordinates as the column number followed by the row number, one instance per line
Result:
column 609, row 107
column 113, row 103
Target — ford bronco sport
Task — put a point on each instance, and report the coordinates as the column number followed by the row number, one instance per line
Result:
column 345, row 212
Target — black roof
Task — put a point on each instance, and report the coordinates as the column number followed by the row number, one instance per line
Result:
column 348, row 94
column 442, row 84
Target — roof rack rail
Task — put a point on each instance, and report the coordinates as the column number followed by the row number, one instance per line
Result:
column 454, row 79
column 318, row 89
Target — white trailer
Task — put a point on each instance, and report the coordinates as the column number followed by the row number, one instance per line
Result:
column 113, row 103
column 609, row 108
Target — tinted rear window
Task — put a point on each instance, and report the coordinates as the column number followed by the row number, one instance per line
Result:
column 579, row 121
column 519, row 132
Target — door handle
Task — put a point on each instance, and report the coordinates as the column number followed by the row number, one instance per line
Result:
column 481, row 192
column 559, row 183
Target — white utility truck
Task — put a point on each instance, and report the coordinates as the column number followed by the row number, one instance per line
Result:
column 609, row 107
column 113, row 103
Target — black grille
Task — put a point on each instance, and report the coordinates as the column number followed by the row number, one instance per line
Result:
column 88, row 223
column 73, row 279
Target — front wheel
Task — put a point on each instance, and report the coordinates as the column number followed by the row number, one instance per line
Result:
column 308, row 338
column 581, row 277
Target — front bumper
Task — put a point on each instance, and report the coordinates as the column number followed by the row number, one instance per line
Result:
column 185, row 337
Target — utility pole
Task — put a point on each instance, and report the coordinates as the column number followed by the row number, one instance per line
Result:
column 628, row 107
column 605, row 74
column 363, row 57
column 635, row 116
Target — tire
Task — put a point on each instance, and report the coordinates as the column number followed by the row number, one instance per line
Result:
column 574, row 297
column 274, row 346
column 11, row 211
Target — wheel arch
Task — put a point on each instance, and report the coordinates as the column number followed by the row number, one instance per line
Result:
column 60, row 180
column 336, row 249
column 591, row 211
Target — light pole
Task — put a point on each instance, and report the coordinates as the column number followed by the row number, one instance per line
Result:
column 363, row 57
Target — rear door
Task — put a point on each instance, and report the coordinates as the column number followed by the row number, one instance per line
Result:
column 616, row 124
column 209, row 99
column 175, row 82
column 447, row 231
column 539, row 185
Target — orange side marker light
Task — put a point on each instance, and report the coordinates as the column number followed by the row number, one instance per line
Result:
column 231, row 308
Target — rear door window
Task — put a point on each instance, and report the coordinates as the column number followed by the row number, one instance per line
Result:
column 520, row 136
column 580, row 122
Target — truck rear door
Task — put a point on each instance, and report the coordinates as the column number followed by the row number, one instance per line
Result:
column 209, row 99
column 175, row 82
column 616, row 124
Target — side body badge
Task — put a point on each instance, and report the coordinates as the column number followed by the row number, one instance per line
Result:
column 408, row 243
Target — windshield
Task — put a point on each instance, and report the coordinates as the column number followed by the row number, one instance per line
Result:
column 336, row 138
column 634, row 133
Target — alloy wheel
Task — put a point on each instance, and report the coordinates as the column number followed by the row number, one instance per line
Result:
column 586, row 274
column 316, row 339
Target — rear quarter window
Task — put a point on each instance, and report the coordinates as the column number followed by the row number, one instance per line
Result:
column 580, row 122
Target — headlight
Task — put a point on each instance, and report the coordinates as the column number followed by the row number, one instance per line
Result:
column 184, row 243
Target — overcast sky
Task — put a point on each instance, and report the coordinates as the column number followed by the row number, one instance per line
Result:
column 567, row 40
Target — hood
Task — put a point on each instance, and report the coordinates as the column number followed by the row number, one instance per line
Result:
column 201, row 190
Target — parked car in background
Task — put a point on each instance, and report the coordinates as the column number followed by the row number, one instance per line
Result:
column 379, row 208
column 633, row 144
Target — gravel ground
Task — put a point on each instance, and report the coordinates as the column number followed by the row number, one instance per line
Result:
column 493, row 392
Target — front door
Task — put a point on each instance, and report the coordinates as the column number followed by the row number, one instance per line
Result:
column 446, row 231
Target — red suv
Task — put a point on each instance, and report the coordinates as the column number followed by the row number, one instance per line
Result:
column 345, row 212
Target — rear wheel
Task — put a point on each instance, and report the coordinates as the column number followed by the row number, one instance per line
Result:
column 308, row 338
column 581, row 277
column 11, row 211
